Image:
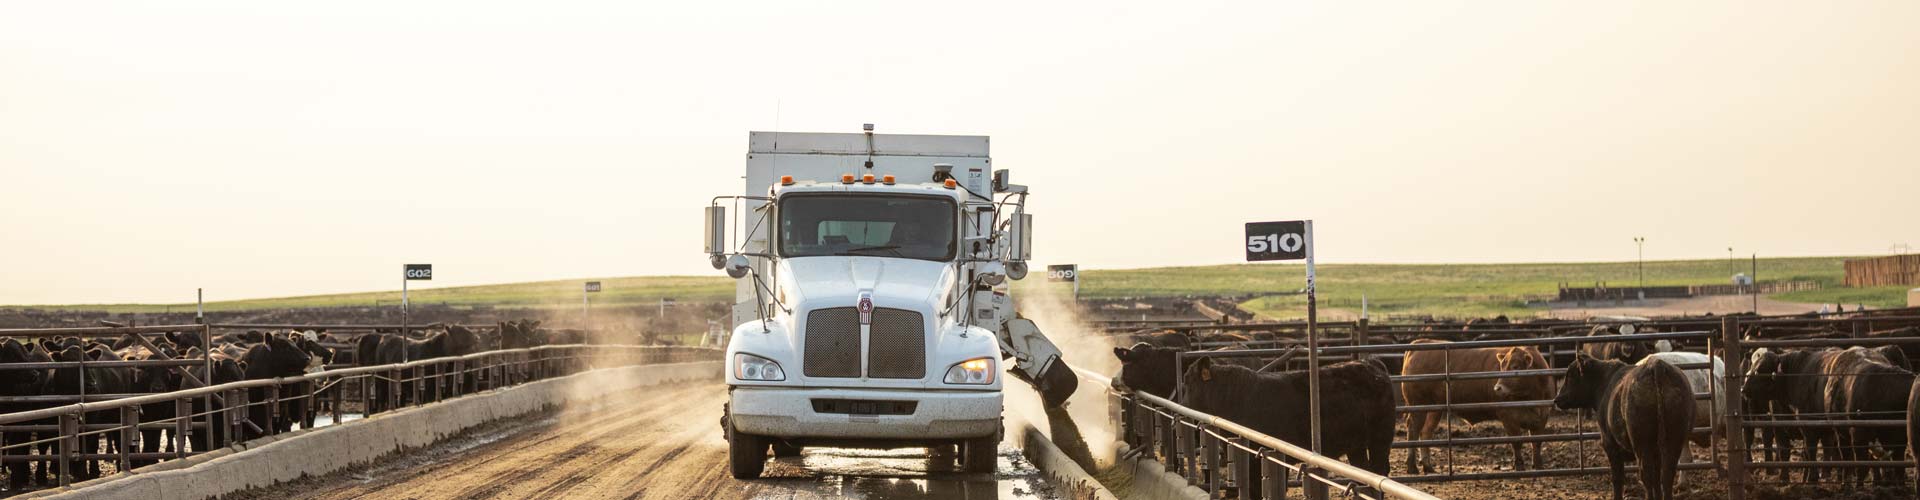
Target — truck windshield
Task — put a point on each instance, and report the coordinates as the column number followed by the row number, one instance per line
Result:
column 913, row 227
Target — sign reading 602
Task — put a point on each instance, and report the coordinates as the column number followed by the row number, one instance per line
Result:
column 420, row 272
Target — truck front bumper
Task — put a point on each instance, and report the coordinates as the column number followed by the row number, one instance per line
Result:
column 788, row 412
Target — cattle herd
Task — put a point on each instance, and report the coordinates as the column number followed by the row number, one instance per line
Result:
column 194, row 361
column 1827, row 405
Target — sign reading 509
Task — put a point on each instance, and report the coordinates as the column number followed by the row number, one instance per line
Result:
column 1282, row 240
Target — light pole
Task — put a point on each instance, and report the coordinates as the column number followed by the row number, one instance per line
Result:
column 1640, row 242
column 1730, row 270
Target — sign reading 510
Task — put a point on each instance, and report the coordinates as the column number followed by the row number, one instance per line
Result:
column 1281, row 240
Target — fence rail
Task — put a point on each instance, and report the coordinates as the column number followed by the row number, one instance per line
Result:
column 206, row 417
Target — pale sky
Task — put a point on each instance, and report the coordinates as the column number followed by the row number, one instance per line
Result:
column 279, row 148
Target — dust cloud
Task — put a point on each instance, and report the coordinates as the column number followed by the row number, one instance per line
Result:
column 1084, row 423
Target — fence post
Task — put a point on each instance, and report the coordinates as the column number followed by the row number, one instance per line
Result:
column 183, row 425
column 1192, row 452
column 1732, row 356
column 271, row 426
column 1275, row 484
column 1244, row 478
column 1211, row 447
column 69, row 438
column 129, row 435
column 1170, row 442
column 1313, row 489
column 393, row 389
column 339, row 393
column 238, row 414
column 365, row 382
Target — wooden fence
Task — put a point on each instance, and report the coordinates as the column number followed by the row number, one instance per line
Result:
column 1884, row 271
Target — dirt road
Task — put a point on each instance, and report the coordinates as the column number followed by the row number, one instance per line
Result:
column 660, row 444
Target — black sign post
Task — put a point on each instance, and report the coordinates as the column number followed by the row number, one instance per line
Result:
column 586, row 309
column 1293, row 240
column 1066, row 272
column 411, row 272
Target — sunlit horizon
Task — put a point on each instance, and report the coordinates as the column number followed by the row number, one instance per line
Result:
column 274, row 150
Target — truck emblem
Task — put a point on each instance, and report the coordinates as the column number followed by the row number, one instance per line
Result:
column 866, row 308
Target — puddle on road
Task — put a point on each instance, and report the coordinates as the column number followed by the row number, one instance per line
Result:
column 900, row 473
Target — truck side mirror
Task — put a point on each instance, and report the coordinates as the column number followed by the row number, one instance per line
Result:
column 1000, row 181
column 1020, row 249
column 738, row 266
column 717, row 236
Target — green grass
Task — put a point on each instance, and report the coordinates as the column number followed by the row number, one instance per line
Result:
column 1879, row 296
column 561, row 293
column 1438, row 289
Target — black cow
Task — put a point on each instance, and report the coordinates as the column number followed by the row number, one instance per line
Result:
column 522, row 334
column 1356, row 405
column 1628, row 351
column 394, row 349
column 277, row 357
column 109, row 380
column 22, row 383
column 225, row 369
column 153, row 380
column 300, row 404
column 1869, row 384
column 1912, row 351
column 187, row 340
column 1149, row 369
column 1644, row 411
column 1794, row 383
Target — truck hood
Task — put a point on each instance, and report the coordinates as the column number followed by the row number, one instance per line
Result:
column 912, row 284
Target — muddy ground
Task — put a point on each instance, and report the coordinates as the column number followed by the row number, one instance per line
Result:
column 661, row 444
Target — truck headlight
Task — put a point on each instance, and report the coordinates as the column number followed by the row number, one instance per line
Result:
column 976, row 371
column 755, row 368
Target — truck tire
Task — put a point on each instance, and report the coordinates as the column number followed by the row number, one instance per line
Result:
column 783, row 449
column 980, row 455
column 746, row 454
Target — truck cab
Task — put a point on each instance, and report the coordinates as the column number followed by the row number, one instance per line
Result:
column 871, row 308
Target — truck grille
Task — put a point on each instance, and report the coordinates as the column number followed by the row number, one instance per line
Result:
column 833, row 343
column 898, row 349
column 899, row 345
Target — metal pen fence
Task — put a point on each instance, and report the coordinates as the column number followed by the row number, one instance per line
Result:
column 1731, row 341
column 1585, row 431
column 101, row 430
column 1197, row 446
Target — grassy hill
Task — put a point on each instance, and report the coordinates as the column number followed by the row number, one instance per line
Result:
column 1462, row 289
column 1442, row 289
column 560, row 293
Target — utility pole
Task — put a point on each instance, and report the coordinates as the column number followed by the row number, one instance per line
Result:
column 1730, row 267
column 1641, row 243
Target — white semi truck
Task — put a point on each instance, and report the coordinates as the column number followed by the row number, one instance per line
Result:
column 872, row 308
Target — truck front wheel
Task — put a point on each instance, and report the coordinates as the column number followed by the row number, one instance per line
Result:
column 980, row 455
column 746, row 454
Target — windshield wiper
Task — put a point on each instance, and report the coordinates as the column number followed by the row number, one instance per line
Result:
column 891, row 248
